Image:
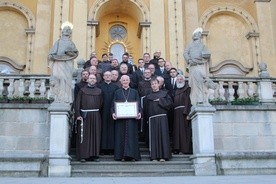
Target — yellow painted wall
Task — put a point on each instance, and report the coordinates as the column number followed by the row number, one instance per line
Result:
column 132, row 42
column 247, row 5
column 13, row 39
column 16, row 39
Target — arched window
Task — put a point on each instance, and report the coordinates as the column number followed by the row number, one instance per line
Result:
column 117, row 50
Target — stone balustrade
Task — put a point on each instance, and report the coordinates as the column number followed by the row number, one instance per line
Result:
column 25, row 85
column 229, row 88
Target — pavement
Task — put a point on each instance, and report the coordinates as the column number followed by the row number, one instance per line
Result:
column 253, row 179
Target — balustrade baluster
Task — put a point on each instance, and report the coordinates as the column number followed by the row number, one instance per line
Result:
column 21, row 87
column 251, row 89
column 231, row 91
column 221, row 90
column 42, row 88
column 32, row 88
column 241, row 91
column 11, row 88
column 1, row 87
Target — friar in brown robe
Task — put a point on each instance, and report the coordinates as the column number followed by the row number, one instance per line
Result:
column 182, row 130
column 88, row 105
column 157, row 104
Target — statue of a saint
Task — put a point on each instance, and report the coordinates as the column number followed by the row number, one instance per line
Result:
column 197, row 56
column 61, row 61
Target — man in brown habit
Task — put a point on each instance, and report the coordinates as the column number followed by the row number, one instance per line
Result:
column 157, row 104
column 88, row 105
column 182, row 131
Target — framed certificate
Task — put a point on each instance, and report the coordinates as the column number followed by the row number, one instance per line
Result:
column 125, row 110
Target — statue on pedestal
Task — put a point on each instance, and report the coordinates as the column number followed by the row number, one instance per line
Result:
column 197, row 57
column 60, row 60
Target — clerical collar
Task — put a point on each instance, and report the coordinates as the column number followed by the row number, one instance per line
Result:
column 91, row 86
column 147, row 79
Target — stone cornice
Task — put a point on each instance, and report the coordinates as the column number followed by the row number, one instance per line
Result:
column 141, row 26
column 263, row 1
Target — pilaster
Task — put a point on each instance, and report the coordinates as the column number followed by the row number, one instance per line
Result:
column 203, row 140
column 59, row 160
column 80, row 25
column 264, row 20
column 157, row 29
column 191, row 18
column 175, row 24
column 42, row 37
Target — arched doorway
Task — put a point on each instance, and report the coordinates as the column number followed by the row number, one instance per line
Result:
column 117, row 27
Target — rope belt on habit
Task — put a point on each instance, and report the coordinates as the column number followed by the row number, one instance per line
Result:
column 155, row 116
column 90, row 110
column 178, row 107
column 81, row 125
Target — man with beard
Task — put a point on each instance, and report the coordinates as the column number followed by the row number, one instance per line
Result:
column 78, row 86
column 88, row 105
column 126, row 147
column 82, row 83
column 144, row 88
column 157, row 104
column 182, row 130
column 108, row 89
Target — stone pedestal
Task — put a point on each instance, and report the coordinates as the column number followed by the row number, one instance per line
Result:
column 266, row 91
column 203, row 140
column 59, row 160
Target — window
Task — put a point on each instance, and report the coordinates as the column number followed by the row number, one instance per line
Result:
column 117, row 32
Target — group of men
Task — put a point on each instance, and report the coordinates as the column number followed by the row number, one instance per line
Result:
column 163, row 98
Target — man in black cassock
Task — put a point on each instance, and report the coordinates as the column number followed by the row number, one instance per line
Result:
column 126, row 146
column 157, row 104
column 144, row 88
column 182, row 130
column 88, row 105
column 108, row 89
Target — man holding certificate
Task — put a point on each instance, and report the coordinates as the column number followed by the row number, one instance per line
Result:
column 126, row 112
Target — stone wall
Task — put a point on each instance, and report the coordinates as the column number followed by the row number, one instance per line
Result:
column 24, row 138
column 245, row 128
column 244, row 139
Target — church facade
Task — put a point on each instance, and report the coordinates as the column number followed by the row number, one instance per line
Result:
column 239, row 34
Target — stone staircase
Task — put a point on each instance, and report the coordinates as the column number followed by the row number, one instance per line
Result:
column 179, row 165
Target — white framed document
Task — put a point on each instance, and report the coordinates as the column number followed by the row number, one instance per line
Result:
column 124, row 110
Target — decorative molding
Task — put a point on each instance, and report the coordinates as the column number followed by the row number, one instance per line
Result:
column 229, row 9
column 11, row 63
column 21, row 8
column 232, row 65
column 262, row 1
column 30, row 31
column 92, row 15
column 252, row 34
column 141, row 26
column 205, row 33
column 96, row 24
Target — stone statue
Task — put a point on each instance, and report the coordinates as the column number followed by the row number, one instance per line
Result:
column 197, row 56
column 263, row 70
column 61, row 62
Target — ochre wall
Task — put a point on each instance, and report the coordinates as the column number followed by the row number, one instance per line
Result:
column 226, row 39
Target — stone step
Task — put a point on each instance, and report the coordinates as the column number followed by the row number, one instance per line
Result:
column 144, row 157
column 126, row 173
column 138, row 168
